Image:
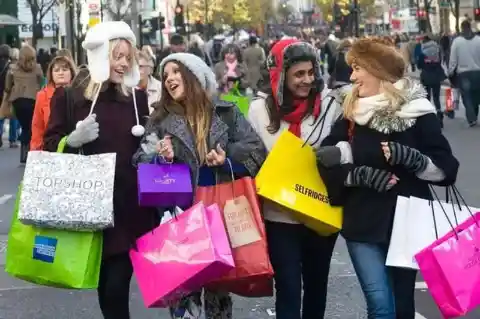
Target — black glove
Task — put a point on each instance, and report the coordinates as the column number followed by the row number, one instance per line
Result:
column 365, row 176
column 329, row 156
column 409, row 157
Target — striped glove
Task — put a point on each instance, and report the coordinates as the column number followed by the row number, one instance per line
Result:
column 409, row 157
column 377, row 179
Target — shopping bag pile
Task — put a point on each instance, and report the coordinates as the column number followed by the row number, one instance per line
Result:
column 181, row 255
column 417, row 224
column 52, row 257
column 444, row 238
column 296, row 184
column 164, row 185
column 239, row 207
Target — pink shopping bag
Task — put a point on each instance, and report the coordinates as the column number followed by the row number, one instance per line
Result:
column 181, row 256
column 451, row 269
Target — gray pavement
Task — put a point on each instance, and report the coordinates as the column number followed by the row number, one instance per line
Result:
column 20, row 300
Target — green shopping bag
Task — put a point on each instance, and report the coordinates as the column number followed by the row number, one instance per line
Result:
column 50, row 257
column 234, row 96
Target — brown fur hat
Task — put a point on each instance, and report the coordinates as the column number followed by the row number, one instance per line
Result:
column 379, row 57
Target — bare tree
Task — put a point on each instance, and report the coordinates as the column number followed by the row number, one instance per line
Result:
column 39, row 9
column 118, row 9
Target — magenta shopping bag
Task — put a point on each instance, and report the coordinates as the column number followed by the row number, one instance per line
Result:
column 164, row 185
column 451, row 269
column 181, row 256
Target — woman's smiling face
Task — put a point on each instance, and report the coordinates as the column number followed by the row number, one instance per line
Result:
column 173, row 81
column 120, row 60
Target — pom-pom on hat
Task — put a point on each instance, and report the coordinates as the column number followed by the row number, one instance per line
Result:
column 378, row 57
column 96, row 44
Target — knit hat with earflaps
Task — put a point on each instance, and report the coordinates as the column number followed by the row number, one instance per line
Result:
column 378, row 57
column 97, row 45
column 283, row 55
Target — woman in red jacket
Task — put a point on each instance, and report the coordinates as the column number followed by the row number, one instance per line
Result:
column 60, row 73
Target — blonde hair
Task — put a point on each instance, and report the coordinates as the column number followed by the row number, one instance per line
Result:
column 93, row 88
column 142, row 55
column 27, row 58
column 395, row 97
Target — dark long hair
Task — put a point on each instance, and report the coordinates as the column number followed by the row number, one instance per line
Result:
column 196, row 107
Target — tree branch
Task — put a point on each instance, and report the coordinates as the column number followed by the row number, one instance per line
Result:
column 45, row 8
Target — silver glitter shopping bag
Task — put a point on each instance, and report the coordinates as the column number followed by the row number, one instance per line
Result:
column 68, row 191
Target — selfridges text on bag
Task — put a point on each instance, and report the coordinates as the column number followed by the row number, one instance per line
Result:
column 68, row 191
column 297, row 184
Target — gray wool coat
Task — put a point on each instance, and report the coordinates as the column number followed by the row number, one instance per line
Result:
column 229, row 128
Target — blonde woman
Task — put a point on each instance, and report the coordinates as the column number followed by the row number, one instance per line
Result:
column 388, row 143
column 148, row 83
column 111, row 114
column 23, row 81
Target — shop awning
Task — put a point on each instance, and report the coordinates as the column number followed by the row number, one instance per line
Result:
column 6, row 19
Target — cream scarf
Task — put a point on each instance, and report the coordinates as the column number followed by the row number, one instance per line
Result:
column 367, row 107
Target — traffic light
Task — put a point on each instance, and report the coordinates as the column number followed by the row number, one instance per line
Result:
column 421, row 14
column 476, row 14
column 161, row 22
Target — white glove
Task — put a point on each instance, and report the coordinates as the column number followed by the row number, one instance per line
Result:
column 86, row 132
column 150, row 145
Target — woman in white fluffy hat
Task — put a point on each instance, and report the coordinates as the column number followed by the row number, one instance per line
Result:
column 102, row 113
column 208, row 135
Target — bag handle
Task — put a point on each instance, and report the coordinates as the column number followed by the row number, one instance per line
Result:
column 62, row 144
column 453, row 190
column 232, row 175
column 320, row 121
column 444, row 213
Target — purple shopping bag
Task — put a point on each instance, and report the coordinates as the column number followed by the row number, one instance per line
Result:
column 181, row 256
column 451, row 269
column 164, row 185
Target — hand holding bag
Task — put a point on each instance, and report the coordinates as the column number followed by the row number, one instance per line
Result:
column 297, row 185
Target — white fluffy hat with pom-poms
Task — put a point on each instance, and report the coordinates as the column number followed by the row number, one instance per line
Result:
column 96, row 44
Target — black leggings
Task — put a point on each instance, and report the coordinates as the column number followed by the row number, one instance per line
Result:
column 114, row 287
column 23, row 109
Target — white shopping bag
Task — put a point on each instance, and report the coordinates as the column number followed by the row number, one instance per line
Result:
column 68, row 191
column 397, row 255
column 421, row 224
column 168, row 215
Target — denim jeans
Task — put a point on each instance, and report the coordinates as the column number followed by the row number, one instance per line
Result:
column 13, row 130
column 389, row 292
column 299, row 254
column 469, row 86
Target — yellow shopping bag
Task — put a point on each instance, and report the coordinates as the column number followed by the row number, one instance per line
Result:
column 289, row 177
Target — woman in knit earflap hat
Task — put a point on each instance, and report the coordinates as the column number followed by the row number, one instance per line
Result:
column 211, row 136
column 101, row 112
column 298, row 102
column 388, row 143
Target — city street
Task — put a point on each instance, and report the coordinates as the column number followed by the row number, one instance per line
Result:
column 20, row 300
